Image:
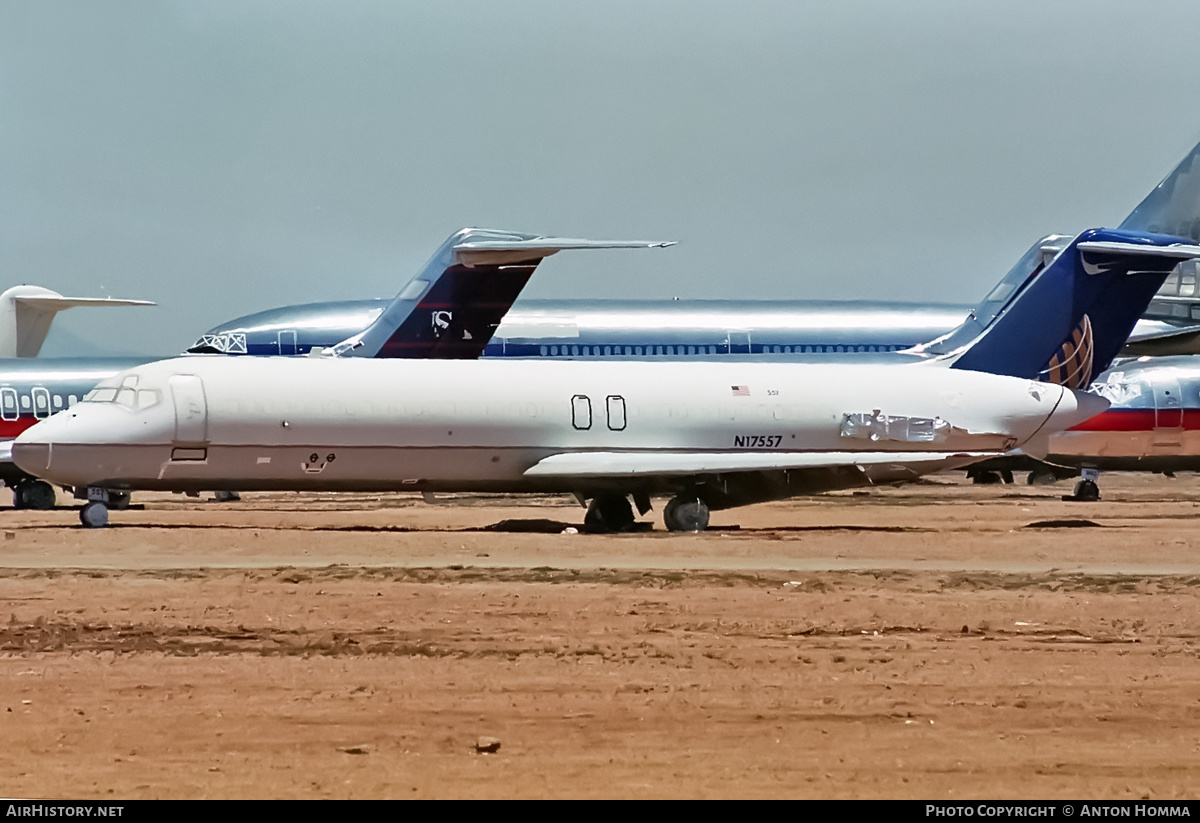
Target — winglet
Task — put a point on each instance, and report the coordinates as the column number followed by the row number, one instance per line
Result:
column 451, row 309
column 26, row 313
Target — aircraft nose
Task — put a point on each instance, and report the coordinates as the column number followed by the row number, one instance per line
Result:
column 31, row 452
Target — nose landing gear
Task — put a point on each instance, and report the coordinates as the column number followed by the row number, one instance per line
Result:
column 94, row 514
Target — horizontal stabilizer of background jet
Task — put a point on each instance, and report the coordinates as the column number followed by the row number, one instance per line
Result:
column 1161, row 343
column 452, row 308
column 26, row 313
column 501, row 252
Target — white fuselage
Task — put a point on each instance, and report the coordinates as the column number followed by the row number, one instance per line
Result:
column 211, row 422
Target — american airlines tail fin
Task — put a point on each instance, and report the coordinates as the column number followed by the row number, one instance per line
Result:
column 452, row 307
column 1173, row 206
column 1063, row 319
column 26, row 313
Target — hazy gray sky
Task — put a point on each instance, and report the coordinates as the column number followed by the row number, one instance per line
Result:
column 225, row 157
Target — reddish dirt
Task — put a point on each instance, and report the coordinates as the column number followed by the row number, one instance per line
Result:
column 932, row 641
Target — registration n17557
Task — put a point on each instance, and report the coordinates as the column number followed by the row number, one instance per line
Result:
column 757, row 441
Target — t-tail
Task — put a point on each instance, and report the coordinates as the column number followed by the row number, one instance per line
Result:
column 452, row 308
column 1064, row 312
column 26, row 313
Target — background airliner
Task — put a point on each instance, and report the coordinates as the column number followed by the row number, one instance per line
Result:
column 700, row 329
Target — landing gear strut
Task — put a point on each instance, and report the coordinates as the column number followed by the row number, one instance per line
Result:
column 609, row 513
column 686, row 513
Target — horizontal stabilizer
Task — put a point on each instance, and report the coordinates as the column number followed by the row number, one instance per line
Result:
column 1178, row 251
column 1162, row 339
column 507, row 252
column 634, row 464
column 58, row 303
column 26, row 313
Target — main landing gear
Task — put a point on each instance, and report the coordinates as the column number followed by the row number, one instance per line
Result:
column 982, row 477
column 1087, row 490
column 613, row 513
column 33, row 494
column 609, row 513
column 685, row 513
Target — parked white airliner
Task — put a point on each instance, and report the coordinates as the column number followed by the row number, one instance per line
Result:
column 743, row 431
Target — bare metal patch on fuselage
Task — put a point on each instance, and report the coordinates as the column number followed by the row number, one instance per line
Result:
column 877, row 426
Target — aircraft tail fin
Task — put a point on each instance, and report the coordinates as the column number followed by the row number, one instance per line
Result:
column 1173, row 206
column 1064, row 320
column 26, row 313
column 452, row 307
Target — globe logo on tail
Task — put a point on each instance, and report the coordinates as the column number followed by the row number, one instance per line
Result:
column 1071, row 366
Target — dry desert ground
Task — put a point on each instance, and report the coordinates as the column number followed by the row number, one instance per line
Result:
column 933, row 641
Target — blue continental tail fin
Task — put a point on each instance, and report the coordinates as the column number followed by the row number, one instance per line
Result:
column 1063, row 321
column 452, row 307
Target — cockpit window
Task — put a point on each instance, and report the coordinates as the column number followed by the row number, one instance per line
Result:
column 124, row 392
column 100, row 395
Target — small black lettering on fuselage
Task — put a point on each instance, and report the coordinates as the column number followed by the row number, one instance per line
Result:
column 757, row 441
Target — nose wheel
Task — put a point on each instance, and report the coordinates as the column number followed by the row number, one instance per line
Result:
column 94, row 515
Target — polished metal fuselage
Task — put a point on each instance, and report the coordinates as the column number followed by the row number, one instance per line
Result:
column 1153, row 423
column 650, row 329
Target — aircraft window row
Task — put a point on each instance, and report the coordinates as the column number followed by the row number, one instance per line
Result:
column 39, row 400
column 671, row 351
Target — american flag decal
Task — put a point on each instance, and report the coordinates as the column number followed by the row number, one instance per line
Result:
column 1071, row 366
column 741, row 391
